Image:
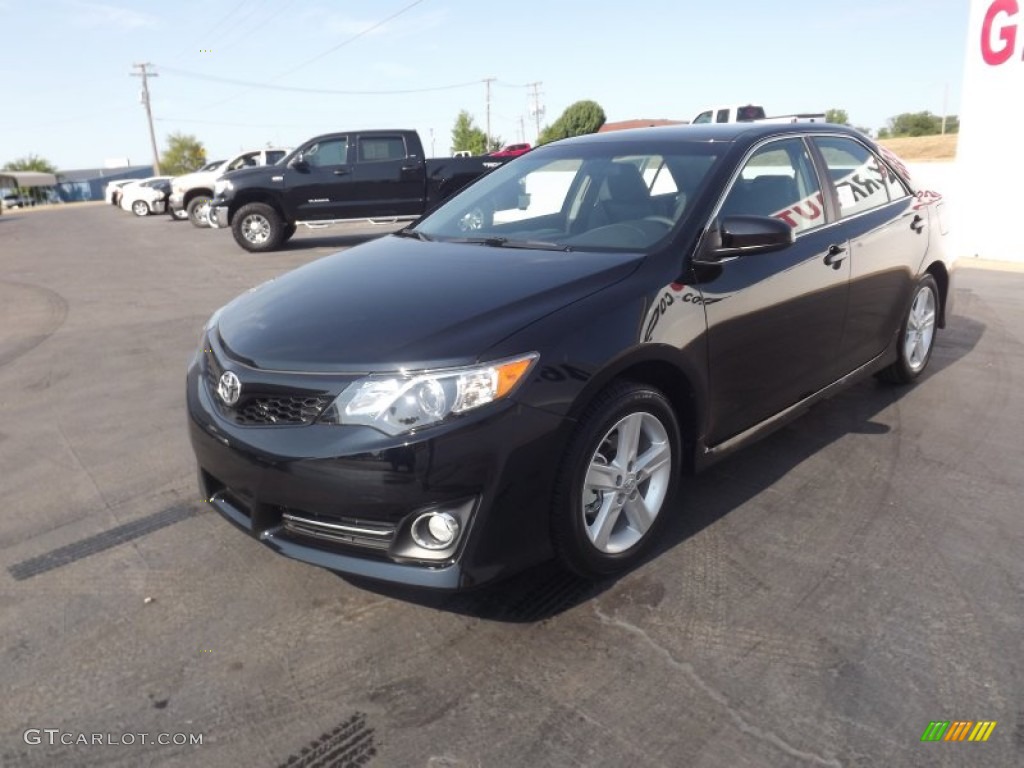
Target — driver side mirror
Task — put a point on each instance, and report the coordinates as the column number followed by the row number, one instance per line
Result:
column 746, row 235
column 299, row 163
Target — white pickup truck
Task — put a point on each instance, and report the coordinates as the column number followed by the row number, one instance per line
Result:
column 749, row 113
column 191, row 194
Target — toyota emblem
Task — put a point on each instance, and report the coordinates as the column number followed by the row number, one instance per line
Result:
column 229, row 388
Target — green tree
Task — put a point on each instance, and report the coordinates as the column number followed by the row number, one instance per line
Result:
column 467, row 137
column 31, row 163
column 185, row 153
column 918, row 124
column 578, row 119
column 837, row 116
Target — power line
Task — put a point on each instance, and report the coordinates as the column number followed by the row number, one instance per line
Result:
column 298, row 89
column 329, row 51
column 144, row 73
column 233, row 125
column 351, row 39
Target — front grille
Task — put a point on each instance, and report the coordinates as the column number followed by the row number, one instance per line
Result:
column 291, row 409
column 358, row 533
column 256, row 408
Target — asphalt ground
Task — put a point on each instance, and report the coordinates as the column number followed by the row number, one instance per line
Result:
column 820, row 599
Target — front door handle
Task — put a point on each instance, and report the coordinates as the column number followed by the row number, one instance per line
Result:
column 834, row 257
column 917, row 224
column 410, row 167
column 342, row 171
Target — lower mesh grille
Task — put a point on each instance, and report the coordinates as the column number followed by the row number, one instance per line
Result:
column 360, row 534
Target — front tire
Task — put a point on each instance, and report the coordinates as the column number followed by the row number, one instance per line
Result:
column 140, row 208
column 619, row 472
column 258, row 228
column 917, row 334
column 199, row 211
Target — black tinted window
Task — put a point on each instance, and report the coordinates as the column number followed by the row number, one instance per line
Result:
column 381, row 148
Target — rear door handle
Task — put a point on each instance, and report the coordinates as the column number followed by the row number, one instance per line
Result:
column 834, row 257
column 917, row 224
column 342, row 171
column 410, row 167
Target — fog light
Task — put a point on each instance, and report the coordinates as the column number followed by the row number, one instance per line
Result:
column 435, row 530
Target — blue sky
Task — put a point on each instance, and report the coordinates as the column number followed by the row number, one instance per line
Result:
column 65, row 92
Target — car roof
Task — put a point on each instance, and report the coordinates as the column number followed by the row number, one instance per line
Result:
column 725, row 132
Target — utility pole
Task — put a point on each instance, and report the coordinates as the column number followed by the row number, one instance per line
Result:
column 487, row 143
column 522, row 129
column 537, row 109
column 945, row 100
column 144, row 73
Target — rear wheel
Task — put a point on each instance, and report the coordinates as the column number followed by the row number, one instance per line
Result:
column 199, row 211
column 619, row 472
column 258, row 228
column 917, row 336
column 140, row 208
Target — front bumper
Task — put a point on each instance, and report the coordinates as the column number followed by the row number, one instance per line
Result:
column 498, row 465
column 219, row 216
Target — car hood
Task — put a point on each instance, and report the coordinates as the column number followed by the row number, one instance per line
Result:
column 400, row 302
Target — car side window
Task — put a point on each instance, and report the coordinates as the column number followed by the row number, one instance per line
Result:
column 327, row 153
column 722, row 116
column 778, row 181
column 377, row 148
column 703, row 117
column 861, row 181
column 245, row 161
column 274, row 156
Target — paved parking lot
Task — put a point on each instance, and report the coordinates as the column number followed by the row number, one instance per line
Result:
column 822, row 596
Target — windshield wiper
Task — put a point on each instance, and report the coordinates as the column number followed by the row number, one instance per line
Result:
column 413, row 233
column 504, row 242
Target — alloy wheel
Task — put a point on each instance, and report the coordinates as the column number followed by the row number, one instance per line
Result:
column 626, row 482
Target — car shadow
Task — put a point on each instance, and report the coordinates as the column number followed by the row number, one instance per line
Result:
column 548, row 590
column 335, row 241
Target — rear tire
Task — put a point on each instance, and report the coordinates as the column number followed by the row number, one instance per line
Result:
column 199, row 211
column 917, row 334
column 258, row 228
column 619, row 473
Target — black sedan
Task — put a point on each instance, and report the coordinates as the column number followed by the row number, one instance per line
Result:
column 529, row 370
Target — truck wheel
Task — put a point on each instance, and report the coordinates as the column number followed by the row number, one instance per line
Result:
column 199, row 211
column 258, row 228
column 139, row 208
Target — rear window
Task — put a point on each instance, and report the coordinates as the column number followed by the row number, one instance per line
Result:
column 749, row 113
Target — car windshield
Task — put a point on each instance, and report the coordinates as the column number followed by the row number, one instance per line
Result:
column 588, row 195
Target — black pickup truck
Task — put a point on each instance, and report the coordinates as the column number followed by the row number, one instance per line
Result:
column 380, row 176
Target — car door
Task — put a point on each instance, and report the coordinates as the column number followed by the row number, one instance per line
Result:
column 888, row 242
column 319, row 180
column 775, row 319
column 386, row 179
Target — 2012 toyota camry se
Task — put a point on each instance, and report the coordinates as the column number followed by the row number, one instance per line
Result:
column 530, row 369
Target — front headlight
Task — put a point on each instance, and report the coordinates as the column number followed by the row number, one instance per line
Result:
column 222, row 187
column 399, row 403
